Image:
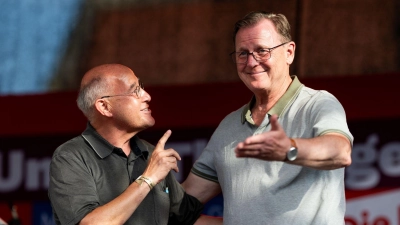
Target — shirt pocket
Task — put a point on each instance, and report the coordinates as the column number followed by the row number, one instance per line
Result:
column 162, row 202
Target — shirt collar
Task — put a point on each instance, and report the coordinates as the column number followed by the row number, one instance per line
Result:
column 103, row 148
column 281, row 104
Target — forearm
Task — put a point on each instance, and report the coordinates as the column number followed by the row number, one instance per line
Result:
column 330, row 151
column 120, row 209
column 209, row 220
column 202, row 189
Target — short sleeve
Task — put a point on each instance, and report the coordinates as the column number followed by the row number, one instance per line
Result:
column 329, row 116
column 204, row 166
column 71, row 191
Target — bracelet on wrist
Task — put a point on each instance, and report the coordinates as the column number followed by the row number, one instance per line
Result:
column 148, row 181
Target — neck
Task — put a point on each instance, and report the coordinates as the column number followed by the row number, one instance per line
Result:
column 266, row 100
column 118, row 138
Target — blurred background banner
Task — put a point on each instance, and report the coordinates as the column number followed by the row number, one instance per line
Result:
column 180, row 50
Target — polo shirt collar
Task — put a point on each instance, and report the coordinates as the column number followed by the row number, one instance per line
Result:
column 103, row 148
column 281, row 104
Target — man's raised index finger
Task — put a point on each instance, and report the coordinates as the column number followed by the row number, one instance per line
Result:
column 164, row 138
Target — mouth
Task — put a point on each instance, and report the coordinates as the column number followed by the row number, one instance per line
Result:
column 146, row 110
column 255, row 73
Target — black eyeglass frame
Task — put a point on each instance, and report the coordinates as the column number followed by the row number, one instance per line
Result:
column 258, row 59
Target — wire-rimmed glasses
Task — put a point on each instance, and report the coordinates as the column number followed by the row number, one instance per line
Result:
column 261, row 55
column 137, row 92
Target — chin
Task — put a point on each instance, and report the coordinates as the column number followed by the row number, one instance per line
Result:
column 260, row 84
column 151, row 123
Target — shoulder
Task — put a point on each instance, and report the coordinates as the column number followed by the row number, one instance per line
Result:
column 233, row 117
column 74, row 154
column 315, row 104
column 311, row 96
column 74, row 151
column 72, row 146
column 307, row 91
column 232, row 122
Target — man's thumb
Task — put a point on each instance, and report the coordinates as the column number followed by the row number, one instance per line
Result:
column 274, row 123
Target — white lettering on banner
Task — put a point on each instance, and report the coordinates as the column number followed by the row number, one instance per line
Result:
column 362, row 174
column 378, row 209
column 366, row 220
column 14, row 178
column 35, row 169
column 36, row 175
column 390, row 159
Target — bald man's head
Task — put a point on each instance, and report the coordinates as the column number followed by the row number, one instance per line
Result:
column 97, row 82
column 103, row 72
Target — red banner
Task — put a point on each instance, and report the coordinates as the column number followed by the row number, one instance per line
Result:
column 32, row 127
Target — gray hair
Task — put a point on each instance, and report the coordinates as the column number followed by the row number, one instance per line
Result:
column 279, row 20
column 88, row 95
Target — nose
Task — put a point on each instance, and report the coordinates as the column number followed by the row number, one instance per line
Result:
column 251, row 60
column 146, row 96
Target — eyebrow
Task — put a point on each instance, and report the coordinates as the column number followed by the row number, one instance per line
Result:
column 133, row 86
column 258, row 47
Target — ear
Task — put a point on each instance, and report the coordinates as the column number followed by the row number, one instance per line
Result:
column 103, row 107
column 290, row 52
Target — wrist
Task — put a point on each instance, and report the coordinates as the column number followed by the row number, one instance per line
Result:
column 291, row 155
column 146, row 180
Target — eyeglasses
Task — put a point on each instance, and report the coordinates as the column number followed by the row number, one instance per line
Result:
column 260, row 55
column 137, row 92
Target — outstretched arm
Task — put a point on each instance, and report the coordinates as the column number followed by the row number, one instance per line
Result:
column 329, row 151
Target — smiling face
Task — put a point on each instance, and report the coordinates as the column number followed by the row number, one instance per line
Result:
column 267, row 76
column 129, row 111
